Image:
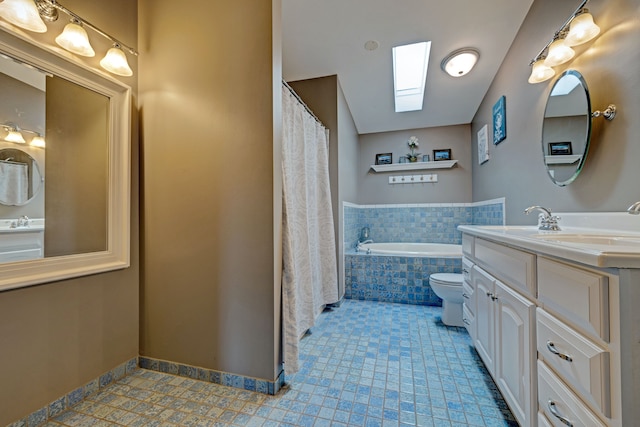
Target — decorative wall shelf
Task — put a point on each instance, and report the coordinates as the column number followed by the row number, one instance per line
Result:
column 562, row 159
column 440, row 164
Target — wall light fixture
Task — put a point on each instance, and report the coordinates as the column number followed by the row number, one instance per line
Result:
column 576, row 30
column 15, row 135
column 32, row 15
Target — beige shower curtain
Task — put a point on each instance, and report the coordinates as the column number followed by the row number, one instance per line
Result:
column 310, row 279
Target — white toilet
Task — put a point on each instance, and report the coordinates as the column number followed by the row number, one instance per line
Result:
column 448, row 286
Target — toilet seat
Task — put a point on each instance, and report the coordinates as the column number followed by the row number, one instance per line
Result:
column 446, row 279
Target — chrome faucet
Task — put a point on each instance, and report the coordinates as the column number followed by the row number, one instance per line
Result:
column 548, row 221
column 23, row 221
column 634, row 209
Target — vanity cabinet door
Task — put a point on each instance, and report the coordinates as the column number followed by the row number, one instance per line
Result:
column 484, row 341
column 515, row 351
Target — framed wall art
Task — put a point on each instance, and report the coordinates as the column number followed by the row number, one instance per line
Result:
column 499, row 120
column 444, row 154
column 384, row 159
column 483, row 145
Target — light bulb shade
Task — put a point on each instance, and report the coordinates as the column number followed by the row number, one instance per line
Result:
column 540, row 72
column 581, row 30
column 24, row 14
column 558, row 53
column 460, row 62
column 38, row 141
column 15, row 136
column 74, row 38
column 115, row 61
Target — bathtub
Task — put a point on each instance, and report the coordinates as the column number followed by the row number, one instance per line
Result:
column 431, row 250
column 399, row 272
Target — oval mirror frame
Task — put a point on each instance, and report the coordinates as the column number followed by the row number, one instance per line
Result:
column 19, row 157
column 566, row 128
column 23, row 47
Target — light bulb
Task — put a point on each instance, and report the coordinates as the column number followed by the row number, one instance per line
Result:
column 74, row 38
column 24, row 14
column 540, row 72
column 582, row 29
column 15, row 136
column 38, row 141
column 558, row 53
column 115, row 61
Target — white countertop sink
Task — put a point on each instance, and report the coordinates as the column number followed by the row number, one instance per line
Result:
column 599, row 240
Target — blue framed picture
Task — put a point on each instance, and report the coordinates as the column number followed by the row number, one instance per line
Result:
column 499, row 120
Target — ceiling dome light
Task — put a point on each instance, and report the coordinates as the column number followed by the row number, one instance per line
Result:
column 540, row 72
column 115, row 61
column 460, row 62
column 74, row 38
column 558, row 53
column 582, row 29
column 24, row 14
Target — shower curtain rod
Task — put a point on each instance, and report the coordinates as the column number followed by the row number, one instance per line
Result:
column 293, row 92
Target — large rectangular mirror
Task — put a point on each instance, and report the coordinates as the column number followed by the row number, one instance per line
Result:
column 64, row 166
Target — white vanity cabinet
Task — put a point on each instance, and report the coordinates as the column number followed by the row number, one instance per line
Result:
column 561, row 338
column 505, row 341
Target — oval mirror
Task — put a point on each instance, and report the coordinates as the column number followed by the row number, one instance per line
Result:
column 20, row 177
column 566, row 128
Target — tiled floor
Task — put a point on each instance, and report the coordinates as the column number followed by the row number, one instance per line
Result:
column 364, row 364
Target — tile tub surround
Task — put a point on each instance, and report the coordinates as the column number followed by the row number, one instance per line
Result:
column 427, row 222
column 364, row 364
column 212, row 376
column 42, row 416
column 397, row 279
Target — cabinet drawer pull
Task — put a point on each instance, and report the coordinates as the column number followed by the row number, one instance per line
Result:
column 552, row 348
column 465, row 271
column 466, row 322
column 465, row 295
column 494, row 298
column 489, row 294
column 552, row 407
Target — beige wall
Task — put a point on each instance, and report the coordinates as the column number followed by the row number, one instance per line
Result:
column 611, row 67
column 454, row 185
column 209, row 297
column 56, row 337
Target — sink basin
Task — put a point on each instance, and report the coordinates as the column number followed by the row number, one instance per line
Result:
column 592, row 239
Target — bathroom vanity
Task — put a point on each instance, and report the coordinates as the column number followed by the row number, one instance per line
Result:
column 21, row 243
column 554, row 317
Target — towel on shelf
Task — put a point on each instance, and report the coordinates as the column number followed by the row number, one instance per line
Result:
column 14, row 183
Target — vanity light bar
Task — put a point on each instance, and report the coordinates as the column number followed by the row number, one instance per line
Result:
column 578, row 29
column 73, row 38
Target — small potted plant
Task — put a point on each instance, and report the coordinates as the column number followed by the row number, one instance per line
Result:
column 413, row 146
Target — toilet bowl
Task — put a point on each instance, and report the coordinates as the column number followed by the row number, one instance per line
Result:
column 448, row 286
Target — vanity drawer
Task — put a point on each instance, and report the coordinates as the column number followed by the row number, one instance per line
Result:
column 467, row 265
column 469, row 296
column 580, row 296
column 516, row 268
column 577, row 360
column 559, row 404
column 467, row 245
column 469, row 320
column 543, row 421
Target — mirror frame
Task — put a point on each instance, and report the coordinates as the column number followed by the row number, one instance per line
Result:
column 580, row 166
column 22, row 46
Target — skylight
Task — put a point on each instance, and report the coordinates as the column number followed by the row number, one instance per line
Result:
column 410, row 63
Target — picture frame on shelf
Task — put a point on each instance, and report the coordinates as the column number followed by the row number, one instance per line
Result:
column 384, row 159
column 483, row 145
column 403, row 159
column 442, row 154
column 426, row 158
column 499, row 120
column 560, row 148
